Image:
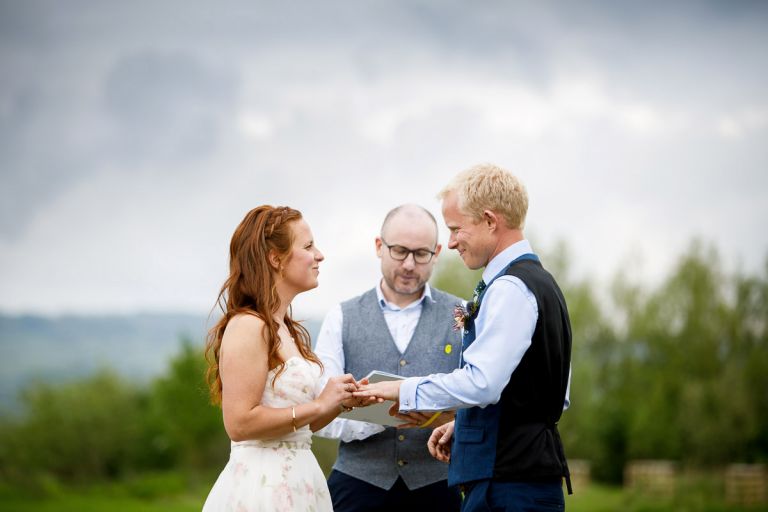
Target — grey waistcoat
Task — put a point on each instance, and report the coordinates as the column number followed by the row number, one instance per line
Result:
column 368, row 345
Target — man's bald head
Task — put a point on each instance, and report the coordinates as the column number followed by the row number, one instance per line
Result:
column 408, row 230
column 408, row 214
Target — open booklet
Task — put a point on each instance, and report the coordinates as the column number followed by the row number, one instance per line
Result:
column 376, row 413
column 379, row 413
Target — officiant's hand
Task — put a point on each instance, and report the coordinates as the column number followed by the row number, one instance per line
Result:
column 439, row 443
column 386, row 390
column 414, row 419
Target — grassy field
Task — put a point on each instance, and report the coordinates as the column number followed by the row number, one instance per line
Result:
column 180, row 492
column 143, row 494
column 96, row 503
column 171, row 492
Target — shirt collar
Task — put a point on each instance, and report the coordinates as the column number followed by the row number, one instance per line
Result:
column 504, row 258
column 393, row 307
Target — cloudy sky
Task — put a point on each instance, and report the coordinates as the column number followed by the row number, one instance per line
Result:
column 135, row 135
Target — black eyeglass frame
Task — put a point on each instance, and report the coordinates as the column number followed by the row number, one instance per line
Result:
column 408, row 252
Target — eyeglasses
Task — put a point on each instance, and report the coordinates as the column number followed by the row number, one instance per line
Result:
column 400, row 253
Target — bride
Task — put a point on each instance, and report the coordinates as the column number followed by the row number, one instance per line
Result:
column 263, row 373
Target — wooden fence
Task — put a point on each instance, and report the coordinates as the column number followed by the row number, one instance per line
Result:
column 651, row 477
column 746, row 484
column 580, row 473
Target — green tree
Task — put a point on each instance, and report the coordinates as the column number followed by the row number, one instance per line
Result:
column 104, row 427
column 685, row 378
column 74, row 431
column 185, row 428
column 452, row 276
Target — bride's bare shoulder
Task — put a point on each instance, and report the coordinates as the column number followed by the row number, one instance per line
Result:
column 243, row 327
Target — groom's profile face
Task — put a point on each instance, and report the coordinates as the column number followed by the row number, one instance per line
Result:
column 469, row 237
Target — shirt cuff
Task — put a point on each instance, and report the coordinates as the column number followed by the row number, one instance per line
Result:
column 408, row 394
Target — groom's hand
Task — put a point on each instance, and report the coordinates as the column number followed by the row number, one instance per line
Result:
column 439, row 443
column 386, row 390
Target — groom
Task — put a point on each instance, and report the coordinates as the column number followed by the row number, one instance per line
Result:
column 512, row 385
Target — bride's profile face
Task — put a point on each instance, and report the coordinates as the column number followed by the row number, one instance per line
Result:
column 303, row 264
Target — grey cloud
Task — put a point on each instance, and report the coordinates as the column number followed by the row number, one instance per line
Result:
column 168, row 105
column 88, row 88
column 157, row 107
column 37, row 159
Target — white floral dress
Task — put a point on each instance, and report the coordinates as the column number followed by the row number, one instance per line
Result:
column 280, row 474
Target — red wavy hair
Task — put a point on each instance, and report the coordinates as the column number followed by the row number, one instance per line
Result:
column 251, row 288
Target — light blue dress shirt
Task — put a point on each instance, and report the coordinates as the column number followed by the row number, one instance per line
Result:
column 504, row 329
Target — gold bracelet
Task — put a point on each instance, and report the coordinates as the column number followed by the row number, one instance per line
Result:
column 293, row 415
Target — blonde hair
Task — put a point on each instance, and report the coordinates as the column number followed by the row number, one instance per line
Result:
column 489, row 187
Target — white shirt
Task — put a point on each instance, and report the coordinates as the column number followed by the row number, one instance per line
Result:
column 401, row 323
column 504, row 329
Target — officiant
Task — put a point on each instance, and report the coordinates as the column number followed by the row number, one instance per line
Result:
column 401, row 326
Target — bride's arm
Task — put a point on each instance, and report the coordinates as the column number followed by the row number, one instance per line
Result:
column 243, row 368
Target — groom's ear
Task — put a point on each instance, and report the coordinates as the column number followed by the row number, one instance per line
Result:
column 490, row 219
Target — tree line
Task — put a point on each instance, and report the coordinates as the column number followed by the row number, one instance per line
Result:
column 674, row 371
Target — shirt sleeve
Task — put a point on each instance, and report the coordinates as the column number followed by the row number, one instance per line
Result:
column 505, row 326
column 349, row 430
column 330, row 350
column 328, row 347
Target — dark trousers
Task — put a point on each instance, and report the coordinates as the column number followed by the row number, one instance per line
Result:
column 489, row 495
column 350, row 494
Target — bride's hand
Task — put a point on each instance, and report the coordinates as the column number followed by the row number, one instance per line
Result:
column 361, row 401
column 336, row 391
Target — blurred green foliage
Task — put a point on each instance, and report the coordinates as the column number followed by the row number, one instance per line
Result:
column 678, row 371
column 674, row 371
column 104, row 427
column 452, row 276
column 184, row 427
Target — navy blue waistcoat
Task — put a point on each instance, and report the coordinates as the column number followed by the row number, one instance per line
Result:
column 516, row 439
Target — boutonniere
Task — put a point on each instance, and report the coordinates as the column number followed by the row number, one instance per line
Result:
column 462, row 316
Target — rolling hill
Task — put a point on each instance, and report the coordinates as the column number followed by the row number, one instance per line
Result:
column 52, row 349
